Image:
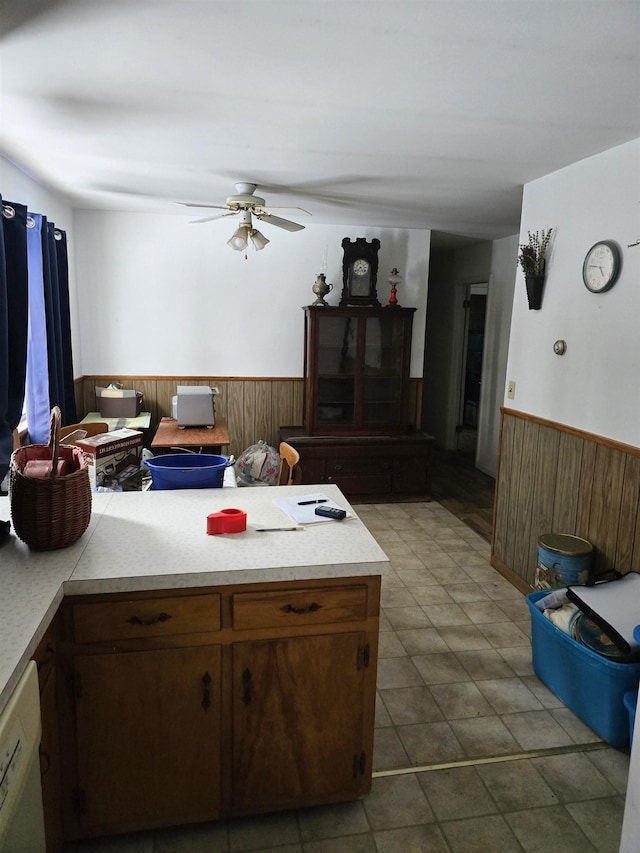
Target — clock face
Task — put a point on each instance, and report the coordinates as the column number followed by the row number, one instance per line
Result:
column 601, row 266
column 360, row 267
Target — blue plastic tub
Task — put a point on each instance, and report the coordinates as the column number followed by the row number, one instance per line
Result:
column 187, row 471
column 592, row 686
column 630, row 703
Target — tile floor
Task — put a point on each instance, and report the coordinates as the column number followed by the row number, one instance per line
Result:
column 472, row 752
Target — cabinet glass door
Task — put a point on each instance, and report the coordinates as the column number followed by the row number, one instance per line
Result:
column 336, row 361
column 382, row 375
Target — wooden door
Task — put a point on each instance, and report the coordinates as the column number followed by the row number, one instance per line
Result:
column 298, row 707
column 148, row 733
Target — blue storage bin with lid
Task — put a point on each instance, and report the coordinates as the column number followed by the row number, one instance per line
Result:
column 588, row 683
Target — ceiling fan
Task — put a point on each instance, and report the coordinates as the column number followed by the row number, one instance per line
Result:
column 247, row 205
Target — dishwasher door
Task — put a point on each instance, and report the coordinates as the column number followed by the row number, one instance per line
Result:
column 21, row 814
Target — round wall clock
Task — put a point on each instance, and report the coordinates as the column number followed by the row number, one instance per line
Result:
column 601, row 266
column 359, row 272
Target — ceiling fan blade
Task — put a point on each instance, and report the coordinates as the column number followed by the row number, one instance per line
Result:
column 279, row 222
column 192, row 204
column 212, row 218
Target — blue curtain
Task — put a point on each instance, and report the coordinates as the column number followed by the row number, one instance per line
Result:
column 13, row 324
column 37, row 399
column 36, row 360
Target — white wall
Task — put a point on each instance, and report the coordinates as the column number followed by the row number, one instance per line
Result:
column 496, row 346
column 160, row 296
column 596, row 385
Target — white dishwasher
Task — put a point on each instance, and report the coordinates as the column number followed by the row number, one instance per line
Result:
column 21, row 815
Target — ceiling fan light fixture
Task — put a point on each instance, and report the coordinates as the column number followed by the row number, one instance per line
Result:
column 258, row 240
column 238, row 240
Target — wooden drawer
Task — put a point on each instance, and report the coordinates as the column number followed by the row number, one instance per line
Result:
column 149, row 617
column 295, row 607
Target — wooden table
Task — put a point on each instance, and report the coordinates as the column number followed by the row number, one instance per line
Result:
column 170, row 435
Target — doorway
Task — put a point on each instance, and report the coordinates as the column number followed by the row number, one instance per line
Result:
column 474, row 318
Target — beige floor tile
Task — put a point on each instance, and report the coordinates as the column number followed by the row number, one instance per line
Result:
column 350, row 844
column 457, row 793
column 536, row 730
column 508, row 695
column 516, row 785
column 482, row 664
column 333, row 820
column 481, row 835
column 388, row 751
column 459, row 700
column 601, row 821
column 573, row 777
column 484, row 737
column 397, row 672
column 389, row 645
column 407, row 617
column 397, row 801
column 460, row 638
column 446, row 614
column 411, row 839
column 434, row 594
column 542, row 830
column 421, row 641
column 430, row 743
column 440, row 668
column 614, row 766
column 263, row 831
column 407, row 705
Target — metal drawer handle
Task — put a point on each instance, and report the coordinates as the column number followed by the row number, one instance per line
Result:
column 153, row 620
column 289, row 608
column 247, row 686
column 206, row 691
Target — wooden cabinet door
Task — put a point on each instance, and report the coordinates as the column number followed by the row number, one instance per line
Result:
column 50, row 766
column 298, row 720
column 148, row 737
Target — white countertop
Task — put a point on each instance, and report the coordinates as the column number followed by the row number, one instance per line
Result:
column 158, row 540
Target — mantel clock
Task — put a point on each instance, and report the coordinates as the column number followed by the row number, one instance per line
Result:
column 359, row 272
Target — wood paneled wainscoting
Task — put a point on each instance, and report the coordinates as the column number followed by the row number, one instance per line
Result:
column 254, row 408
column 553, row 478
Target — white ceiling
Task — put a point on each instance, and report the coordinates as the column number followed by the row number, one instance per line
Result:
column 422, row 114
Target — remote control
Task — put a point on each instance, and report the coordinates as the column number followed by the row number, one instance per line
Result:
column 331, row 512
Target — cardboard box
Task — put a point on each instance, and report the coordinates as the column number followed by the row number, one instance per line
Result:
column 114, row 460
column 118, row 402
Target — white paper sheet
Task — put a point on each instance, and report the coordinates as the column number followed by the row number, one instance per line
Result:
column 305, row 514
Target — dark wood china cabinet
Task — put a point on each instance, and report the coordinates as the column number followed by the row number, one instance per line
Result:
column 356, row 398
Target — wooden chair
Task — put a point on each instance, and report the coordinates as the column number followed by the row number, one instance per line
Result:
column 290, row 472
column 96, row 428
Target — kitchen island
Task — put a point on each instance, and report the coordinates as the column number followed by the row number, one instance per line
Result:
column 200, row 676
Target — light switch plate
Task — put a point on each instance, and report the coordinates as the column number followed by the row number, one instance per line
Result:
column 511, row 390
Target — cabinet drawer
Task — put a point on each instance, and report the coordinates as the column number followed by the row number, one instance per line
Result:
column 299, row 607
column 149, row 617
column 373, row 464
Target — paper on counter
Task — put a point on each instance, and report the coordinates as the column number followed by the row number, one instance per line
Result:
column 306, row 514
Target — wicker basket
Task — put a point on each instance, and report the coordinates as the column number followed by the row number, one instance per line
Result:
column 53, row 511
